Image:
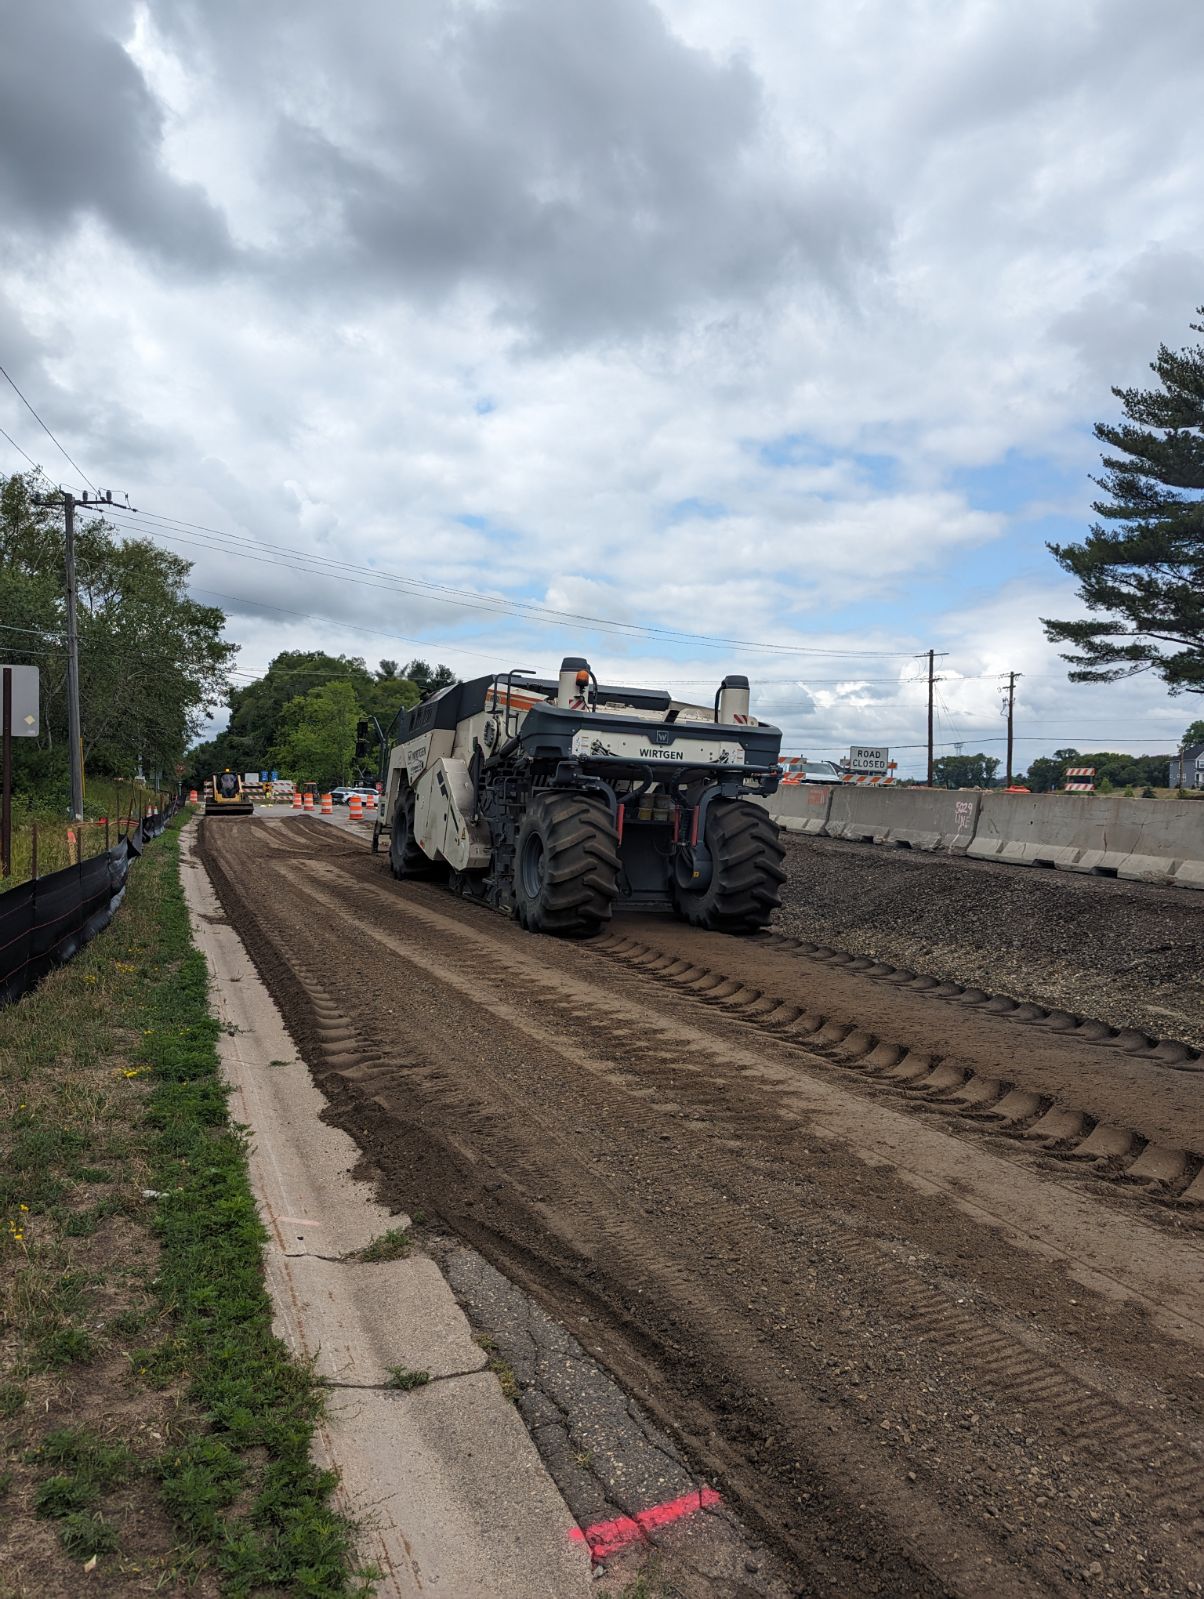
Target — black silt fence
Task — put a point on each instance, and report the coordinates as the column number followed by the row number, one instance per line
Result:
column 46, row 921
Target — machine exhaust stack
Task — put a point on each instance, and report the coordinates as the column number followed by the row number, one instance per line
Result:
column 572, row 687
column 731, row 702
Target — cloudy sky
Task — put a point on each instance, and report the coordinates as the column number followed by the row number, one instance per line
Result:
column 696, row 336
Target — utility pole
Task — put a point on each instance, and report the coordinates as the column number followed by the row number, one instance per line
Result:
column 73, row 730
column 74, row 738
column 932, row 683
column 1009, row 710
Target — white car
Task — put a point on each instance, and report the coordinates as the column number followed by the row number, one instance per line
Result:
column 803, row 771
column 342, row 796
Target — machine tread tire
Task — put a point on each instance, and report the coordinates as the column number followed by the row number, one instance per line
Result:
column 407, row 860
column 748, row 870
column 579, row 851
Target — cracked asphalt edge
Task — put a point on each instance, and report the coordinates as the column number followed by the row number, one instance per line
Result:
column 607, row 1457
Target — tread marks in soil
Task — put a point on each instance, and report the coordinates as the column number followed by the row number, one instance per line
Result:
column 689, row 1259
column 1067, row 1132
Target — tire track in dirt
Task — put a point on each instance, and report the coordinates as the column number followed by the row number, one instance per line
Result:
column 1045, row 1115
column 856, row 1360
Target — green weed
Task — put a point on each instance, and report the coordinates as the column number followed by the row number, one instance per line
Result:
column 405, row 1379
column 83, row 1535
column 507, row 1381
column 62, row 1494
column 12, row 1399
column 392, row 1245
column 65, row 1346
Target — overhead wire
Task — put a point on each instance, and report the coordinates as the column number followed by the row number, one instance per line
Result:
column 61, row 448
column 20, row 451
column 352, row 627
column 467, row 599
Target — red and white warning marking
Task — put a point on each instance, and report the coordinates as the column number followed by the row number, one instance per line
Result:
column 606, row 1538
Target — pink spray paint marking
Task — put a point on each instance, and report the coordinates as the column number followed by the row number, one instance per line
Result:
column 606, row 1538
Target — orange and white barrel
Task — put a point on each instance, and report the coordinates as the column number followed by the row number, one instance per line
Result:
column 307, row 802
column 327, row 805
column 355, row 808
column 370, row 802
column 296, row 802
column 192, row 796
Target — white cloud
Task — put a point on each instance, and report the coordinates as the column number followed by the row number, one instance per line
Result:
column 514, row 298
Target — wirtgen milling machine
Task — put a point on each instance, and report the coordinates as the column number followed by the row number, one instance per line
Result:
column 553, row 800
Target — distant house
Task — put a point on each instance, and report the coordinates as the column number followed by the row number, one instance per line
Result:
column 1187, row 768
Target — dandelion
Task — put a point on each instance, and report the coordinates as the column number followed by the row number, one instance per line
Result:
column 90, row 977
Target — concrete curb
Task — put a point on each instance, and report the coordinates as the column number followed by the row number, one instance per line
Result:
column 444, row 1480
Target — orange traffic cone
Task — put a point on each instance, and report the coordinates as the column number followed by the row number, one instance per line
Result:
column 307, row 803
column 327, row 805
column 296, row 802
column 355, row 808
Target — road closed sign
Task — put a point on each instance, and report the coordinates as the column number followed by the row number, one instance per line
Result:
column 868, row 758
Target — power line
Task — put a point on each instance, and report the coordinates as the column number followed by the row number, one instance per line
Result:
column 48, row 433
column 494, row 601
column 352, row 627
column 20, row 451
column 469, row 599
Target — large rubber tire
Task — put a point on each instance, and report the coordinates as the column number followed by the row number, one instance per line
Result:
column 747, row 874
column 566, row 866
column 406, row 858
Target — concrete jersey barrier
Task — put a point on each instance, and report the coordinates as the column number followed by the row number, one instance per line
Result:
column 1151, row 841
column 1142, row 840
column 911, row 818
column 800, row 807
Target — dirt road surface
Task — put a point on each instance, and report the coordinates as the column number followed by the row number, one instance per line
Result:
column 886, row 1264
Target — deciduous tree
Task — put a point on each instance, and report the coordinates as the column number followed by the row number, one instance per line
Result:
column 316, row 739
column 965, row 771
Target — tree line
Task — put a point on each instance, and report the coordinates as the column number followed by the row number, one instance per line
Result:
column 300, row 718
column 1113, row 770
column 152, row 660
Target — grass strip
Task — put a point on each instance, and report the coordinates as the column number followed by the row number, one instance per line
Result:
column 146, row 1316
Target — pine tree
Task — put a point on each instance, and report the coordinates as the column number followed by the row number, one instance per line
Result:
column 1144, row 577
